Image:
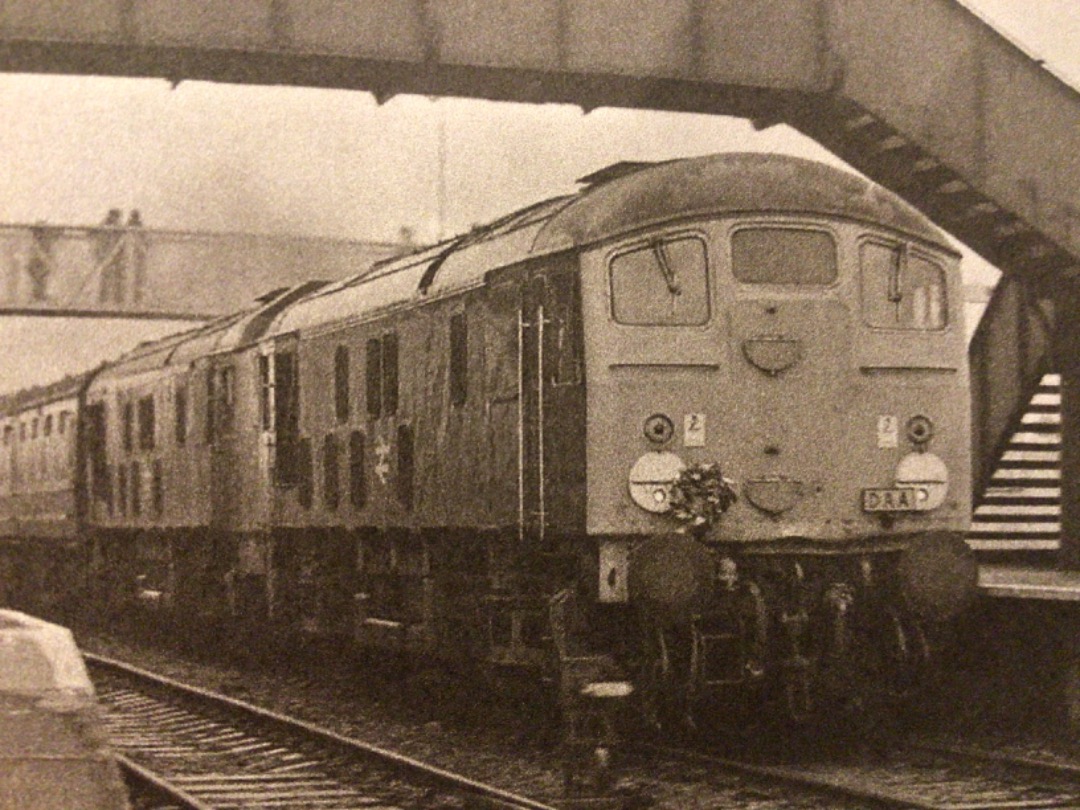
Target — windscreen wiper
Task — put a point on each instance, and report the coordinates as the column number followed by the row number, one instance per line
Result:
column 665, row 268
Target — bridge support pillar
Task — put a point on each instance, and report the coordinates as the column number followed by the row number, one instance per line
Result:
column 1067, row 357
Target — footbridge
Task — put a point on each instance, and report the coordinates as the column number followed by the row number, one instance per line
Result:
column 921, row 95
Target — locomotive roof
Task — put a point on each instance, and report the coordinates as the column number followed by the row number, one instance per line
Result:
column 455, row 264
column 619, row 200
column 730, row 183
column 219, row 335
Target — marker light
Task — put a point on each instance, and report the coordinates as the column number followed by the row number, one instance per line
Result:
column 659, row 429
column 920, row 429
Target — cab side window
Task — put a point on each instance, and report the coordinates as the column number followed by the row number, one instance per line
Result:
column 662, row 283
column 901, row 289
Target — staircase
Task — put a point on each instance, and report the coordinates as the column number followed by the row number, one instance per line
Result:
column 1020, row 509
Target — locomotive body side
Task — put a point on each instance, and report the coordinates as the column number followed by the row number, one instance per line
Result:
column 401, row 511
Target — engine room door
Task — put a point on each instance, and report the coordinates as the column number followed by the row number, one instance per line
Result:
column 551, row 473
column 532, row 318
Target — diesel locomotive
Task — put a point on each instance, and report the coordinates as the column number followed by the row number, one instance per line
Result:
column 699, row 432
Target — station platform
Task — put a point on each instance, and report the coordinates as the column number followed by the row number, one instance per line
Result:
column 1019, row 582
column 1022, row 642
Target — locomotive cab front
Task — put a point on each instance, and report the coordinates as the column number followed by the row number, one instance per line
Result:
column 777, row 429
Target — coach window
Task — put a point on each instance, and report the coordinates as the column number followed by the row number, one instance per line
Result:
column 181, row 414
column 129, row 416
column 304, row 469
column 783, row 255
column 390, row 373
column 662, row 283
column 901, row 289
column 99, row 470
column 136, row 489
column 459, row 359
column 266, row 395
column 406, row 466
column 331, row 478
column 106, row 489
column 61, row 423
column 341, row 383
column 48, row 425
column 146, row 423
column 34, row 428
column 286, row 418
column 357, row 470
column 225, row 400
column 122, row 488
column 373, row 378
column 219, row 403
column 211, row 398
column 157, row 490
column 381, row 376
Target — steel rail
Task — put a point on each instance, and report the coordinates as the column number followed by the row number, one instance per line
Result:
column 141, row 780
column 432, row 774
column 1042, row 767
column 865, row 795
column 795, row 778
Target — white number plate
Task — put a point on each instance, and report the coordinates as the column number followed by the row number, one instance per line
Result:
column 901, row 499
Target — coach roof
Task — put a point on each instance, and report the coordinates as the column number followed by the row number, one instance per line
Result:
column 729, row 183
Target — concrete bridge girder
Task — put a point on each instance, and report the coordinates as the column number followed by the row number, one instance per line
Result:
column 932, row 73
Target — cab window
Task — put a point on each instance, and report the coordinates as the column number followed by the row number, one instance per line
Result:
column 901, row 289
column 663, row 283
column 776, row 255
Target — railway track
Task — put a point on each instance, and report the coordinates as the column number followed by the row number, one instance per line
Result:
column 148, row 791
column 206, row 750
column 916, row 778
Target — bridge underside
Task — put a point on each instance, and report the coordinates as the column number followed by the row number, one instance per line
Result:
column 922, row 96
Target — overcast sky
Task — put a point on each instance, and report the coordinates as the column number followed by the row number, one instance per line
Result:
column 333, row 163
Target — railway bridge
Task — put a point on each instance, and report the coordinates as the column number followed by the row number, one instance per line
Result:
column 922, row 96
